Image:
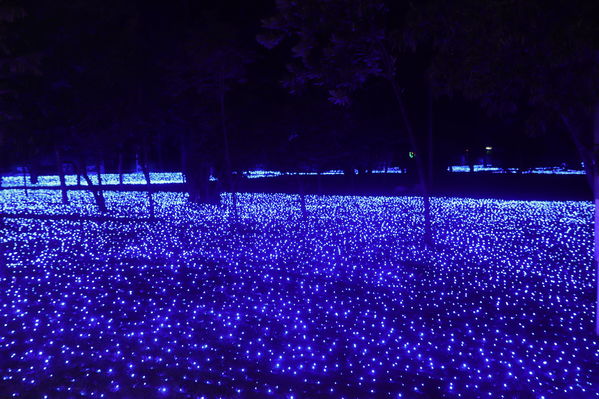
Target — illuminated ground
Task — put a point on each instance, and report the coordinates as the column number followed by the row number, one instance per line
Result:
column 346, row 304
column 16, row 180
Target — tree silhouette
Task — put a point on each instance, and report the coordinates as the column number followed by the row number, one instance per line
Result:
column 534, row 55
column 207, row 66
column 17, row 62
column 339, row 46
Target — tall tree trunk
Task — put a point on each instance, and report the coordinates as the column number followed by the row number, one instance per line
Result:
column 470, row 160
column 302, row 193
column 429, row 128
column 99, row 172
column 228, row 163
column 196, row 171
column 120, row 167
column 596, row 197
column 1, row 218
column 585, row 153
column 428, row 234
column 319, row 182
column 33, row 173
column 78, row 175
column 100, row 191
column 25, row 181
column 590, row 157
column 160, row 148
column 183, row 154
column 146, row 171
column 95, row 190
column 60, row 168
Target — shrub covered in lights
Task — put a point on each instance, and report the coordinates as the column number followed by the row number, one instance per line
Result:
column 345, row 304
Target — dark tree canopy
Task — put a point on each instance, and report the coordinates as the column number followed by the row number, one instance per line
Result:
column 104, row 79
column 533, row 58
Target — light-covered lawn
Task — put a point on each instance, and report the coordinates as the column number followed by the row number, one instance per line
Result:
column 345, row 304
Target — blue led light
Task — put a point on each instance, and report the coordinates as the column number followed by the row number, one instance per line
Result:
column 553, row 170
column 347, row 303
column 107, row 178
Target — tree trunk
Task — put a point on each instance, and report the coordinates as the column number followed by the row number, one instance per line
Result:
column 596, row 248
column 1, row 218
column 196, row 172
column 146, row 171
column 120, row 167
column 25, row 181
column 33, row 173
column 99, row 172
column 319, row 183
column 429, row 127
column 95, row 190
column 194, row 183
column 302, row 190
column 200, row 188
column 60, row 168
column 160, row 148
column 228, row 162
column 590, row 157
column 595, row 156
column 470, row 160
column 99, row 168
column 428, row 234
column 585, row 153
column 184, row 157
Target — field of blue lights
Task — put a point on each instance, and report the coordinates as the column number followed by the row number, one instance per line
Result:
column 17, row 180
column 345, row 304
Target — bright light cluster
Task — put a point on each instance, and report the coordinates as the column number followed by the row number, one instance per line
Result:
column 345, row 304
column 177, row 177
column 107, row 178
column 540, row 171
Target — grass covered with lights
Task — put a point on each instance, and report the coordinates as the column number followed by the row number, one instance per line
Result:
column 345, row 304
